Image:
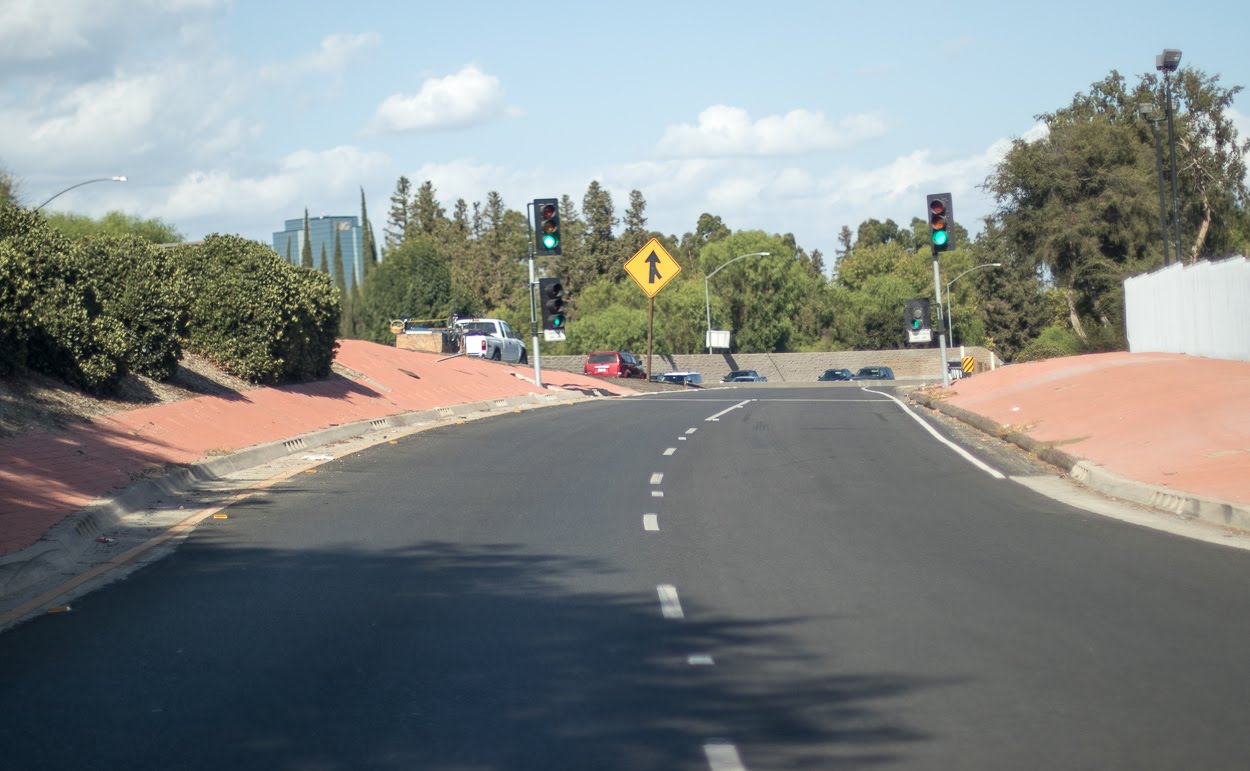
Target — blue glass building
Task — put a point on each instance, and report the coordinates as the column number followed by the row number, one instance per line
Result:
column 289, row 243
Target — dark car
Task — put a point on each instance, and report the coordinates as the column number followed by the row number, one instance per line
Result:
column 744, row 376
column 874, row 373
column 614, row 364
column 836, row 374
column 691, row 379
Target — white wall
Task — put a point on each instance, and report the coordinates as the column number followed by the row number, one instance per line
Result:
column 1201, row 309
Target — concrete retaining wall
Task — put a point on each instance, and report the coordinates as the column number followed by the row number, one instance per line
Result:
column 799, row 367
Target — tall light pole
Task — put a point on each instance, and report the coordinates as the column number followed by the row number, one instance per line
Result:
column 1147, row 111
column 1167, row 62
column 80, row 184
column 949, row 326
column 707, row 298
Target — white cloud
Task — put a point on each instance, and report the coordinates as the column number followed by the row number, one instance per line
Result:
column 330, row 59
column 221, row 195
column 466, row 98
column 725, row 131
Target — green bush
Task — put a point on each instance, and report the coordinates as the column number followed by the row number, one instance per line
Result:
column 138, row 284
column 256, row 315
column 1053, row 342
column 52, row 318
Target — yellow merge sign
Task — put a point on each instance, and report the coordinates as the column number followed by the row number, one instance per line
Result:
column 652, row 267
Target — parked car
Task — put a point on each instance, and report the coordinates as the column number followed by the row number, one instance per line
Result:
column 744, row 376
column 692, row 379
column 874, row 373
column 836, row 374
column 614, row 364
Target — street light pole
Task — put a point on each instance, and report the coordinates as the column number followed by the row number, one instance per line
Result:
column 80, row 184
column 949, row 326
column 1147, row 110
column 707, row 297
column 1167, row 62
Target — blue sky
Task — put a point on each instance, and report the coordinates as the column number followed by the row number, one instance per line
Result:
column 785, row 116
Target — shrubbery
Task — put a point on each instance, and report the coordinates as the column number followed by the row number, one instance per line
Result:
column 257, row 316
column 90, row 310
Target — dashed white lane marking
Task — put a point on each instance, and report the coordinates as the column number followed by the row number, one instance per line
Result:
column 650, row 522
column 670, row 606
column 657, row 493
column 722, row 756
column 691, row 431
column 681, row 438
column 959, row 450
column 657, row 478
column 670, row 451
column 700, row 660
column 737, row 406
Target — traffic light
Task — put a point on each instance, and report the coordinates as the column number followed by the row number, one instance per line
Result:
column 551, row 298
column 916, row 320
column 941, row 221
column 547, row 225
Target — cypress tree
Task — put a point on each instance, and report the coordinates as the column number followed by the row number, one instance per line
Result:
column 325, row 262
column 340, row 275
column 306, row 253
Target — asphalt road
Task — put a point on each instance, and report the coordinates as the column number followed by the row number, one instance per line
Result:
column 822, row 584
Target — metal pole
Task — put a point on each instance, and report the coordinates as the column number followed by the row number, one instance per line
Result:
column 1176, row 207
column 707, row 307
column 937, row 289
column 80, row 184
column 538, row 367
column 1163, row 207
column 650, row 320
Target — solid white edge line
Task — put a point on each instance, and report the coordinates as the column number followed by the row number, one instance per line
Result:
column 961, row 451
column 722, row 756
column 670, row 606
column 650, row 522
column 737, row 406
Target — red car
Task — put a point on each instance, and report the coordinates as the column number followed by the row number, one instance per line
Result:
column 614, row 364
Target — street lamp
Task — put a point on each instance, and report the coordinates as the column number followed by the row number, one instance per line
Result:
column 1167, row 62
column 707, row 298
column 949, row 326
column 1147, row 111
column 80, row 184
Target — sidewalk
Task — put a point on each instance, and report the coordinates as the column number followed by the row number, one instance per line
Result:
column 47, row 476
column 1167, row 430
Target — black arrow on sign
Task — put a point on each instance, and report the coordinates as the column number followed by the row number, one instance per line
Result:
column 654, row 262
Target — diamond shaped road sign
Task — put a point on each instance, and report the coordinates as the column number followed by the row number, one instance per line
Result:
column 652, row 267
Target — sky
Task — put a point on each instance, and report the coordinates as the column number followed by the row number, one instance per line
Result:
column 787, row 117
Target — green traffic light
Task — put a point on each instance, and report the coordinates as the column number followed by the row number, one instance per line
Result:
column 557, row 321
column 915, row 323
column 550, row 241
column 939, row 237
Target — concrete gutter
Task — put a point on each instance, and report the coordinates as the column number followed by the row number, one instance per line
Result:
column 1096, row 477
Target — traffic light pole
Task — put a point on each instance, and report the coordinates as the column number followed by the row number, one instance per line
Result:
column 937, row 288
column 538, row 367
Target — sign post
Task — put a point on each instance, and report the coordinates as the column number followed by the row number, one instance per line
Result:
column 651, row 268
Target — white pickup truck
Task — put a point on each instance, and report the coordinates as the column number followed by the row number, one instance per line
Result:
column 491, row 339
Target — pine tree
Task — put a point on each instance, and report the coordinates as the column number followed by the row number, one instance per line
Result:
column 305, row 259
column 399, row 223
column 427, row 214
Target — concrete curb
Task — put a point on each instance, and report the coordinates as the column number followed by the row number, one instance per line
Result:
column 65, row 543
column 1094, row 476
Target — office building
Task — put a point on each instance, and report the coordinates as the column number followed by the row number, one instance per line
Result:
column 289, row 243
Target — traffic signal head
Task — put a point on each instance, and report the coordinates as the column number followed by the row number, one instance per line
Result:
column 547, row 225
column 941, row 221
column 551, row 298
column 916, row 314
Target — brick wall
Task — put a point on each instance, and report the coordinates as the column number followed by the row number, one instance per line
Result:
column 799, row 367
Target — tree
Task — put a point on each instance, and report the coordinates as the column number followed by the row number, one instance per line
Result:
column 598, row 248
column 707, row 229
column 412, row 282
column 306, row 258
column 427, row 215
column 340, row 273
column 368, row 246
column 324, row 265
column 399, row 222
column 635, row 234
column 8, row 188
column 115, row 223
